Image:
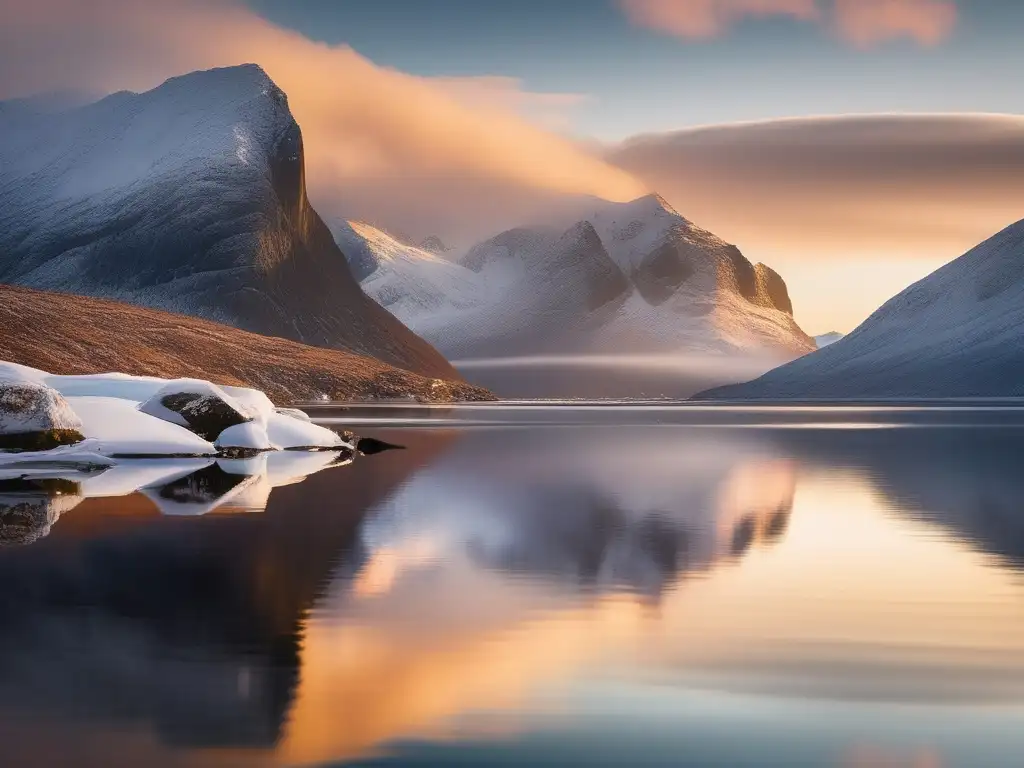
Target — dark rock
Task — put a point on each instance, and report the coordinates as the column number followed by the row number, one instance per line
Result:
column 369, row 446
column 206, row 413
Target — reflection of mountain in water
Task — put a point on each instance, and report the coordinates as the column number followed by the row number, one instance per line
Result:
column 189, row 625
column 599, row 509
column 966, row 480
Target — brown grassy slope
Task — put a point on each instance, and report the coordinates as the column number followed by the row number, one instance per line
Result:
column 66, row 334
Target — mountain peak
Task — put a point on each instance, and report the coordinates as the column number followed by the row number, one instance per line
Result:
column 652, row 202
column 239, row 74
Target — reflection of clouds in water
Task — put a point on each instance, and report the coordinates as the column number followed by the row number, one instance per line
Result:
column 608, row 510
column 515, row 560
column 845, row 607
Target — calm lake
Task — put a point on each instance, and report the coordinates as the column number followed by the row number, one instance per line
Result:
column 634, row 585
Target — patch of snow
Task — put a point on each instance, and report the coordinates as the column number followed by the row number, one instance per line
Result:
column 291, row 433
column 295, row 413
column 120, row 428
column 250, row 436
column 154, row 405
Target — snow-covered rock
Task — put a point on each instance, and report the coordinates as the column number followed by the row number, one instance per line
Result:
column 630, row 278
column 199, row 406
column 955, row 333
column 247, row 436
column 127, row 450
column 290, row 433
column 295, row 413
column 191, row 198
column 122, row 415
column 34, row 416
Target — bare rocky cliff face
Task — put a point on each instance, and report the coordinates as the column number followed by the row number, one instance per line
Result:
column 190, row 198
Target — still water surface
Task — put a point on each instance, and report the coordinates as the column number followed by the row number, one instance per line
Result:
column 559, row 586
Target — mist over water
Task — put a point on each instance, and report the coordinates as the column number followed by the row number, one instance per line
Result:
column 676, row 376
column 586, row 585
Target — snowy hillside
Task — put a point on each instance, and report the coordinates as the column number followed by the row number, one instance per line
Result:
column 405, row 280
column 189, row 197
column 631, row 277
column 956, row 333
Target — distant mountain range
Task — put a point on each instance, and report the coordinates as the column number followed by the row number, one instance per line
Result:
column 828, row 338
column 956, row 333
column 190, row 198
column 629, row 278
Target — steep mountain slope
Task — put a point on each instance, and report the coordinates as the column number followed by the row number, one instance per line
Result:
column 78, row 335
column 956, row 333
column 190, row 197
column 693, row 290
column 630, row 278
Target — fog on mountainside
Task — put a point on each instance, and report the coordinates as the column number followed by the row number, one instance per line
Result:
column 632, row 299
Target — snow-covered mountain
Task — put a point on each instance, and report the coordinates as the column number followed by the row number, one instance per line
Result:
column 825, row 339
column 956, row 333
column 629, row 278
column 189, row 197
column 434, row 244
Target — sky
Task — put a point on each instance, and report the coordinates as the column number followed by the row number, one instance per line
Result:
column 780, row 125
column 632, row 78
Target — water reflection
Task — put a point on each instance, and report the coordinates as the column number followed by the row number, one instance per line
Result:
column 553, row 595
column 160, row 631
column 966, row 480
column 629, row 510
column 34, row 496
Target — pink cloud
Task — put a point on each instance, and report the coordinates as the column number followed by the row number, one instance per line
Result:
column 506, row 94
column 868, row 22
column 862, row 23
column 697, row 19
